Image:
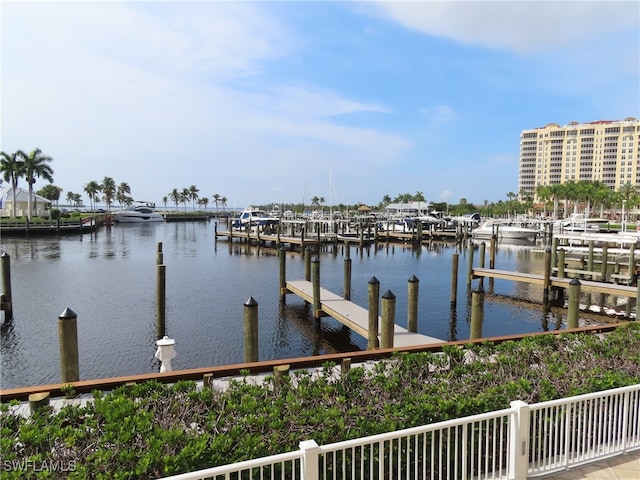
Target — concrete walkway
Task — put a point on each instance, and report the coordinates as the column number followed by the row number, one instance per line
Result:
column 622, row 467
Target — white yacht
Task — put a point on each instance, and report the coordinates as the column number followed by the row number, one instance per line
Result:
column 144, row 213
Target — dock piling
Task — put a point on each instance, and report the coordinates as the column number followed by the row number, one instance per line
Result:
column 477, row 313
column 454, row 279
column 7, row 300
column 315, row 280
column 251, row 330
column 388, row 319
column 412, row 299
column 374, row 308
column 68, row 337
column 161, row 281
column 573, row 307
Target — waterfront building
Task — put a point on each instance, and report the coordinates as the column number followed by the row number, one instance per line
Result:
column 607, row 151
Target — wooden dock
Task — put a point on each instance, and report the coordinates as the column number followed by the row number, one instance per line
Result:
column 262, row 238
column 354, row 316
column 586, row 286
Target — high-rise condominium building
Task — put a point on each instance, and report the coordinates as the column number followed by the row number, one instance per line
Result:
column 607, row 151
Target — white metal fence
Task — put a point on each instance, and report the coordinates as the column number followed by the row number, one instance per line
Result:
column 520, row 442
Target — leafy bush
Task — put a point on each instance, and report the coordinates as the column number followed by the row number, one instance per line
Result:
column 150, row 429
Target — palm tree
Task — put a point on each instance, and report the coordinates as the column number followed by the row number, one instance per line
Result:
column 216, row 199
column 92, row 189
column 165, row 200
column 108, row 189
column 50, row 192
column 204, row 201
column 184, row 197
column 122, row 193
column 70, row 196
column 35, row 164
column 175, row 197
column 11, row 167
column 223, row 202
column 193, row 195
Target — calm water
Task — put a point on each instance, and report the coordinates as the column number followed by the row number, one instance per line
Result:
column 108, row 279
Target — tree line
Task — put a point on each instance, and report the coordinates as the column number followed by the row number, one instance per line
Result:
column 36, row 164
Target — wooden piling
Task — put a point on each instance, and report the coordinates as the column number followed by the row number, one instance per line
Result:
column 38, row 401
column 161, row 316
column 388, row 319
column 573, row 307
column 347, row 279
column 492, row 250
column 279, row 374
column 159, row 254
column 412, row 309
column 307, row 264
column 374, row 308
column 547, row 275
column 561, row 262
column 477, row 313
column 282, row 254
column 454, row 279
column 470, row 268
column 68, row 337
column 315, row 280
column 7, row 301
column 251, row 330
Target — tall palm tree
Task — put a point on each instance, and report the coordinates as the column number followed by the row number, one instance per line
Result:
column 11, row 166
column 193, row 195
column 185, row 195
column 223, row 202
column 108, row 189
column 175, row 197
column 165, row 200
column 92, row 189
column 216, row 199
column 122, row 193
column 35, row 165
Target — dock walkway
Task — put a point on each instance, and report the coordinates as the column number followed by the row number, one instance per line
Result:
column 354, row 316
column 586, row 286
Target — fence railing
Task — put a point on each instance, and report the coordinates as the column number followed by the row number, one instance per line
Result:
column 523, row 441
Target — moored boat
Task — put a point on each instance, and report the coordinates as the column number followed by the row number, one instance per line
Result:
column 502, row 230
column 143, row 213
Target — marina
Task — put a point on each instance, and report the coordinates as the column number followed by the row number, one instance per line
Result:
column 107, row 277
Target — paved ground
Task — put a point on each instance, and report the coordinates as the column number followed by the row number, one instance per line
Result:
column 622, row 467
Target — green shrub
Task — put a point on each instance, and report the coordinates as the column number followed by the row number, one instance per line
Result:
column 151, row 429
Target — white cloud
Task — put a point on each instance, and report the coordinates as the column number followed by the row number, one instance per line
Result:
column 521, row 26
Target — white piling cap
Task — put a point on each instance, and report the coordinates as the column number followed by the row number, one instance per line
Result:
column 165, row 341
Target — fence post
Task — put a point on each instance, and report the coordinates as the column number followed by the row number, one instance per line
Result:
column 309, row 465
column 412, row 310
column 519, row 448
column 374, row 308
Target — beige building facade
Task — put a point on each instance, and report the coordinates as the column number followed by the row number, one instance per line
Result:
column 607, row 151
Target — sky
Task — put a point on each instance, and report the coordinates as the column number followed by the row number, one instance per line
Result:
column 279, row 102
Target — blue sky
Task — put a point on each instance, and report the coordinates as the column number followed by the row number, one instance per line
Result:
column 264, row 102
